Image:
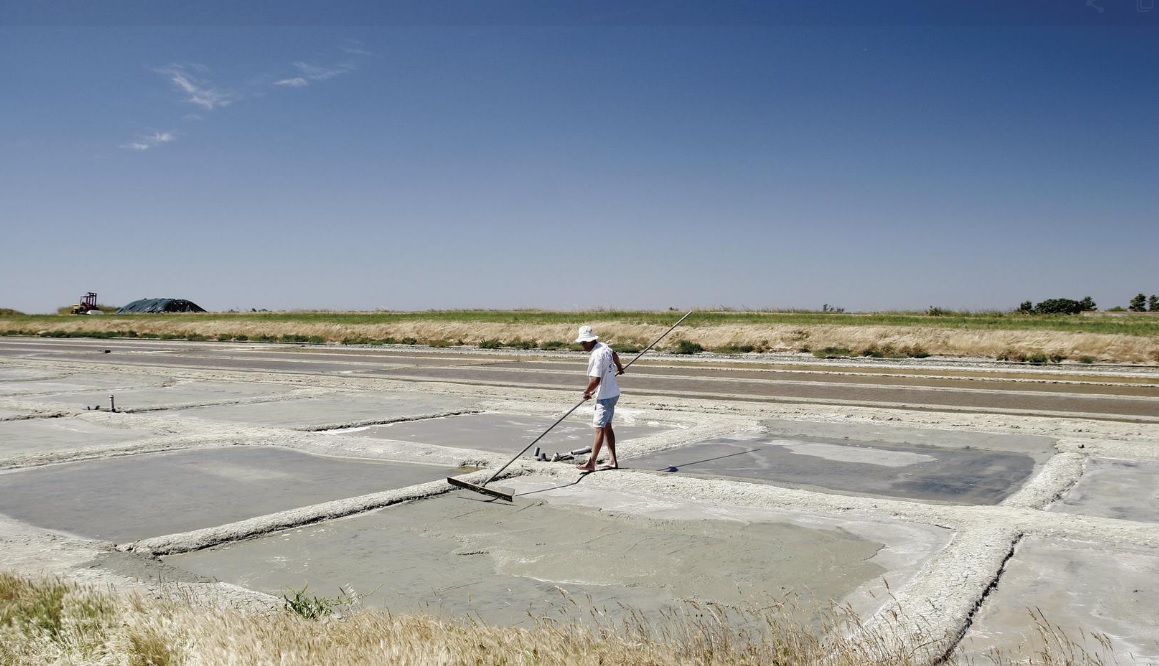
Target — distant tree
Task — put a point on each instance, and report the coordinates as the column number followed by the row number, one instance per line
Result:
column 1088, row 304
column 1138, row 304
column 1026, row 307
column 1153, row 303
column 1058, row 306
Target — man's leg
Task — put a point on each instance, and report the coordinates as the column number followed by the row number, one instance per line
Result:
column 590, row 465
column 610, row 438
column 602, row 420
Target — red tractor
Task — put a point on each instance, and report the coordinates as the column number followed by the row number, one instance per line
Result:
column 87, row 305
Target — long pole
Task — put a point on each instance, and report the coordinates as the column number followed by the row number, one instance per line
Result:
column 568, row 413
column 657, row 340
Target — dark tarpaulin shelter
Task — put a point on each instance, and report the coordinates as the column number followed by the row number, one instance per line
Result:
column 160, row 305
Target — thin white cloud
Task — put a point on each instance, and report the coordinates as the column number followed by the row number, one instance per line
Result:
column 310, row 73
column 315, row 73
column 149, row 141
column 197, row 91
column 354, row 47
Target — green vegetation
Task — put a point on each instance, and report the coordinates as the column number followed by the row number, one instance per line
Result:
column 626, row 348
column 1016, row 320
column 687, row 347
column 889, row 351
column 833, row 352
column 313, row 607
column 884, row 351
column 1037, row 357
column 1058, row 306
column 299, row 338
column 734, row 349
column 519, row 343
column 873, row 351
column 363, row 340
column 1144, row 303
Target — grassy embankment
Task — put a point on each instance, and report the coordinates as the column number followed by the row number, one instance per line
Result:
column 45, row 621
column 996, row 335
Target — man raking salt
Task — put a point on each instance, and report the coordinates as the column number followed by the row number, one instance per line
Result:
column 603, row 381
column 603, row 366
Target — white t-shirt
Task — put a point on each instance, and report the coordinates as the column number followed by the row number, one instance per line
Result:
column 602, row 365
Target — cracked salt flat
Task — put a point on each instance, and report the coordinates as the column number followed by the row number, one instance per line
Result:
column 867, row 456
column 454, row 555
column 922, row 472
column 31, row 436
column 501, row 433
column 128, row 498
column 1121, row 489
column 1084, row 588
column 176, row 394
column 332, row 410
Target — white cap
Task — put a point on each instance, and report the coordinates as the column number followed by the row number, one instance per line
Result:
column 586, row 335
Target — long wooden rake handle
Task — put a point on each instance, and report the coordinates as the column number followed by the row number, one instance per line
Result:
column 568, row 413
column 657, row 340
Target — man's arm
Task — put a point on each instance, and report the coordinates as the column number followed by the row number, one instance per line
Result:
column 616, row 360
column 593, row 382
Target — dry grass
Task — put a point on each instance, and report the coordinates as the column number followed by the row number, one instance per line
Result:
column 51, row 621
column 1051, row 644
column 900, row 340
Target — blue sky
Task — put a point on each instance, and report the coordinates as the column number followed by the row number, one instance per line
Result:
column 715, row 155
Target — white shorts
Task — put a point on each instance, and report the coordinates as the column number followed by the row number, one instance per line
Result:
column 605, row 409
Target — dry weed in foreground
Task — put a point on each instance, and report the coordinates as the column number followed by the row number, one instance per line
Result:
column 1051, row 645
column 52, row 621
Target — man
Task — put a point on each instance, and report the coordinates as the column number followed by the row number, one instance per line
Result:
column 603, row 387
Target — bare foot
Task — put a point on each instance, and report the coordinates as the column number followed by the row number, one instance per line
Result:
column 585, row 468
column 608, row 466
